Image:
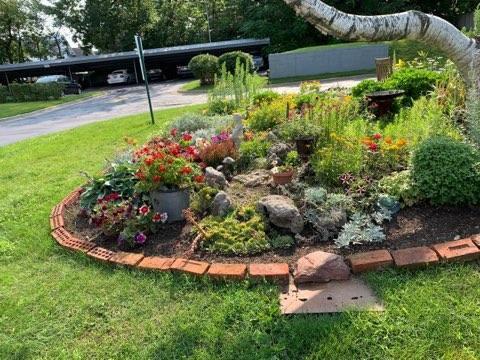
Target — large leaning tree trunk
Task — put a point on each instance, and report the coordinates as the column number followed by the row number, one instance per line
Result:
column 413, row 25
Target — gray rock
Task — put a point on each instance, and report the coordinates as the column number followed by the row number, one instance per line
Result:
column 220, row 168
column 282, row 212
column 273, row 160
column 321, row 266
column 237, row 132
column 279, row 149
column 215, row 178
column 228, row 161
column 222, row 204
column 254, row 178
column 272, row 137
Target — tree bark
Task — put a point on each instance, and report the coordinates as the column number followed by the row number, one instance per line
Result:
column 413, row 25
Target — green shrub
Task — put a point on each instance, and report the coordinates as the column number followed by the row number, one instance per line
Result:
column 446, row 171
column 192, row 122
column 282, row 241
column 251, row 150
column 415, row 83
column 400, row 186
column 240, row 233
column 31, row 92
column 299, row 128
column 204, row 67
column 231, row 59
column 203, row 199
column 367, row 86
column 265, row 97
column 268, row 116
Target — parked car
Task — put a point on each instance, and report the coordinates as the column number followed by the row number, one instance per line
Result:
column 70, row 86
column 155, row 75
column 258, row 62
column 184, row 72
column 120, row 77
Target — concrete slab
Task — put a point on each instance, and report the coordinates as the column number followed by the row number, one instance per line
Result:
column 332, row 297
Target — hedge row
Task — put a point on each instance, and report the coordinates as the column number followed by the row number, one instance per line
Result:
column 30, row 92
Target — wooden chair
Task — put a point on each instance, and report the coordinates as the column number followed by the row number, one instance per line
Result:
column 384, row 68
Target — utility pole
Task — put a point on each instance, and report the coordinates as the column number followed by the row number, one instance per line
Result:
column 141, row 57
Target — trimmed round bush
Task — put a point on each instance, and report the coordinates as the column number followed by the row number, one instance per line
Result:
column 204, row 67
column 444, row 170
column 230, row 61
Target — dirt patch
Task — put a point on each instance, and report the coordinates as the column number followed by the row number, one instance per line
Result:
column 416, row 226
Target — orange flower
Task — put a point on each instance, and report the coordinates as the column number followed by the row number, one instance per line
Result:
column 388, row 140
column 401, row 142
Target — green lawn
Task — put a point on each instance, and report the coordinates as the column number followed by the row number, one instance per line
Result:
column 12, row 109
column 195, row 85
column 58, row 305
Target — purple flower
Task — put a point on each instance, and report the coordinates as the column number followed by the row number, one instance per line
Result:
column 220, row 137
column 140, row 238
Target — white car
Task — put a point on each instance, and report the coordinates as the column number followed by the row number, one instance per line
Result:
column 119, row 77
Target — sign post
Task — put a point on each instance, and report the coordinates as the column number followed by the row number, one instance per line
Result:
column 143, row 68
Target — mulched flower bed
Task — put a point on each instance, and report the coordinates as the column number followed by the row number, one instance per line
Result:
column 421, row 225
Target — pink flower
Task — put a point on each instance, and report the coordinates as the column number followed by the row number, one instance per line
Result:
column 144, row 210
column 140, row 238
column 160, row 218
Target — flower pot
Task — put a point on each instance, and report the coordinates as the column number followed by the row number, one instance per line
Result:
column 305, row 146
column 282, row 178
column 171, row 202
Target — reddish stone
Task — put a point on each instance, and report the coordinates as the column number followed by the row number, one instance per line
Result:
column 126, row 258
column 78, row 244
column 228, row 271
column 462, row 250
column 321, row 266
column 100, row 253
column 61, row 235
column 190, row 266
column 277, row 272
column 371, row 260
column 414, row 257
column 156, row 263
column 476, row 240
column 57, row 222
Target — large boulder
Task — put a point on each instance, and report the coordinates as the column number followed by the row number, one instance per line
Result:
column 215, row 178
column 282, row 212
column 255, row 178
column 222, row 204
column 320, row 266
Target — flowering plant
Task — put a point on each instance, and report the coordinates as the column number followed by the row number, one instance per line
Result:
column 165, row 164
column 110, row 214
column 384, row 154
column 141, row 222
column 220, row 147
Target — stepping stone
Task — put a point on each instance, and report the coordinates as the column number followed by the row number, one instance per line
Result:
column 332, row 297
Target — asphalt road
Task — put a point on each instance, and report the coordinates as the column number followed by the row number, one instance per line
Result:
column 119, row 102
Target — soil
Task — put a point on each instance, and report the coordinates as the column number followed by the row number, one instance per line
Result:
column 416, row 226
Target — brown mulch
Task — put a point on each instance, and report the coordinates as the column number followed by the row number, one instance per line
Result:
column 416, row 226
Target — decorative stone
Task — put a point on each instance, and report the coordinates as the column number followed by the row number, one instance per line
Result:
column 321, row 266
column 222, row 204
column 215, row 178
column 282, row 212
column 414, row 257
column 237, row 132
column 254, row 178
column 459, row 250
column 279, row 149
column 228, row 161
column 371, row 260
column 272, row 137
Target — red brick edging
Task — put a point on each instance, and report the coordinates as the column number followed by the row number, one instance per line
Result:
column 458, row 250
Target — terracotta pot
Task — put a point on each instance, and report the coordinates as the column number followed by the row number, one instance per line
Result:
column 171, row 202
column 305, row 146
column 283, row 178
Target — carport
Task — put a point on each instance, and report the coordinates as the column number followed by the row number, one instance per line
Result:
column 166, row 59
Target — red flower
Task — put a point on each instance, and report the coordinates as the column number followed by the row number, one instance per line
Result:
column 140, row 175
column 373, row 147
column 144, row 210
column 199, row 179
column 186, row 170
column 148, row 161
column 162, row 168
column 156, row 179
column 377, row 136
column 186, row 137
column 174, row 132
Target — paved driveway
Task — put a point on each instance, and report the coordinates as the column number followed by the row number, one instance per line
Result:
column 120, row 102
column 115, row 103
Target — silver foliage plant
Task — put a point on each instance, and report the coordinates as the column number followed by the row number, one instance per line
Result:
column 359, row 230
